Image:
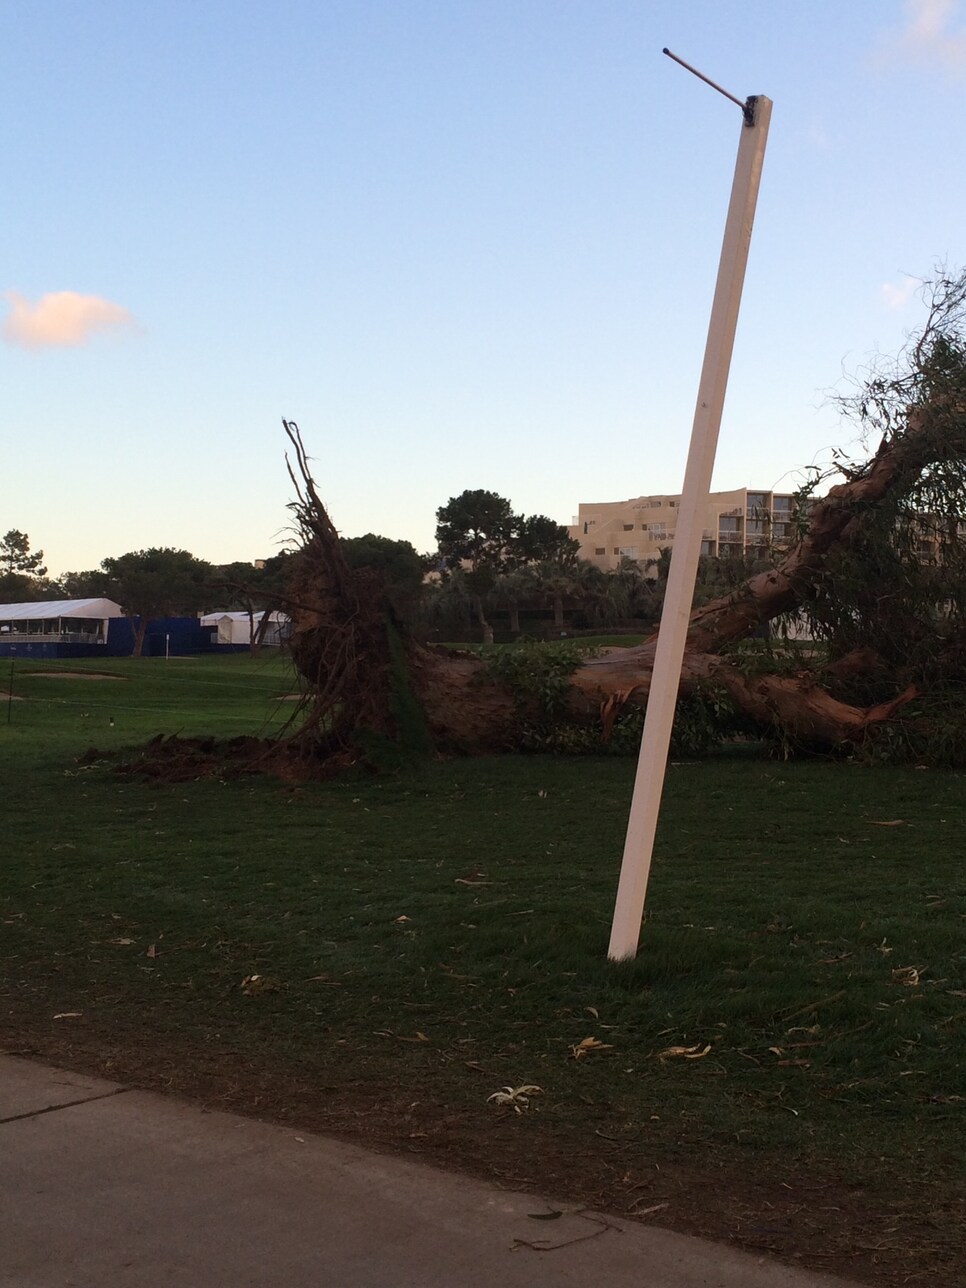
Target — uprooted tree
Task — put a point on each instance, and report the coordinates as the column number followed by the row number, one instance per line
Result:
column 878, row 572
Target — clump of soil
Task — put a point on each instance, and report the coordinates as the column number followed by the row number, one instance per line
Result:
column 183, row 760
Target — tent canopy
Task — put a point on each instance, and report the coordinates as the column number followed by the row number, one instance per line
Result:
column 212, row 619
column 50, row 609
column 236, row 627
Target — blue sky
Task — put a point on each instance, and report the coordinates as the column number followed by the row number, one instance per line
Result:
column 464, row 244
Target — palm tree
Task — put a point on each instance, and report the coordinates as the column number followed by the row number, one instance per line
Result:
column 510, row 591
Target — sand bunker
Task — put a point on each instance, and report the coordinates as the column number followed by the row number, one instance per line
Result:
column 74, row 675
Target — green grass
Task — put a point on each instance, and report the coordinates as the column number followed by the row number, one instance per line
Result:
column 123, row 700
column 433, row 936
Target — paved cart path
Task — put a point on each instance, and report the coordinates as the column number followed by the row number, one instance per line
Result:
column 104, row 1185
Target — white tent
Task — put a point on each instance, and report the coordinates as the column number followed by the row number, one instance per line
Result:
column 64, row 619
column 237, row 627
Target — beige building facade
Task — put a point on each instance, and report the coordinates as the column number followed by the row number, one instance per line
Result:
column 746, row 521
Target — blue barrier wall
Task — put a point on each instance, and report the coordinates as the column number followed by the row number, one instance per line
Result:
column 177, row 636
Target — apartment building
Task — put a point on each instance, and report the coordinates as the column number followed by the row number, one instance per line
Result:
column 744, row 521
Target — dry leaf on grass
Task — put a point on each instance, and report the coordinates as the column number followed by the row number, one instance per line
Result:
column 517, row 1097
column 910, row 976
column 256, row 985
column 695, row 1052
column 587, row 1045
column 886, row 822
column 648, row 1211
column 68, row 1015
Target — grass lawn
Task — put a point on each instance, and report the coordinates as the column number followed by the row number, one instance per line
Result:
column 782, row 1065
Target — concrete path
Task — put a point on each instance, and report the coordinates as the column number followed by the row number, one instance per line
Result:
column 105, row 1187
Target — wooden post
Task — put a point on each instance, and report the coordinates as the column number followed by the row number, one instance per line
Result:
column 672, row 636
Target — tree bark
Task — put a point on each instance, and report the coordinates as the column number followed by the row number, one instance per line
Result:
column 797, row 704
column 485, row 627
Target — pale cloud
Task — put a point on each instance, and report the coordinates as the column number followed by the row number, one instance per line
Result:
column 933, row 35
column 898, row 296
column 61, row 319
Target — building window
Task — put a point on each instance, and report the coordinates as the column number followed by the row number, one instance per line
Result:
column 728, row 525
column 628, row 552
column 600, row 550
column 628, row 527
column 758, row 500
column 782, row 503
column 707, row 547
column 756, row 527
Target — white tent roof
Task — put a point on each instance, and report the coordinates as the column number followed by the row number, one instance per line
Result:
column 45, row 610
column 211, row 619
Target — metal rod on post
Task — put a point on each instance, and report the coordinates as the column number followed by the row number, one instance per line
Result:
column 672, row 635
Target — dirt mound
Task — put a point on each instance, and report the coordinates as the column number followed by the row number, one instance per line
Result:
column 180, row 760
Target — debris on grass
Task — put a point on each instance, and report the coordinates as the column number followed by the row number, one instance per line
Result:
column 256, row 985
column 696, row 1052
column 910, row 976
column 586, row 1045
column 517, row 1097
column 648, row 1211
column 814, row 1006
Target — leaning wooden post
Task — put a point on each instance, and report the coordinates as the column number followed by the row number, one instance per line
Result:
column 672, row 636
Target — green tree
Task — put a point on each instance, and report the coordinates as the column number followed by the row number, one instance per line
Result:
column 479, row 530
column 93, row 583
column 537, row 539
column 400, row 567
column 512, row 590
column 158, row 582
column 15, row 556
column 475, row 528
column 579, row 582
column 22, row 574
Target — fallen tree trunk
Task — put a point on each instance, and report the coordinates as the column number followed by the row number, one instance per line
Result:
column 362, row 672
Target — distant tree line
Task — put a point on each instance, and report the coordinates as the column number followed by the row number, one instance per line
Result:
column 492, row 567
column 532, row 582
